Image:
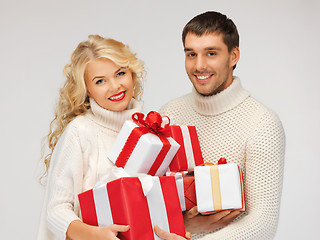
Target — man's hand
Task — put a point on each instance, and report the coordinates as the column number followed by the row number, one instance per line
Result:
column 195, row 222
column 169, row 236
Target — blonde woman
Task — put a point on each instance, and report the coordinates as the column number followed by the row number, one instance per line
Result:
column 102, row 89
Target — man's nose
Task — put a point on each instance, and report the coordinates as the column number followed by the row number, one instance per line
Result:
column 201, row 63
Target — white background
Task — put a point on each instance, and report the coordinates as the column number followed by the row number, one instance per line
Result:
column 279, row 43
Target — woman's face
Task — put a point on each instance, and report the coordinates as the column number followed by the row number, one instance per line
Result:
column 110, row 85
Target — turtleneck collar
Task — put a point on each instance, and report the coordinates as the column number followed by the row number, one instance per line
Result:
column 221, row 102
column 110, row 119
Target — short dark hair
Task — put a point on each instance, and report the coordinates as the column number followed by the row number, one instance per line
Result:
column 213, row 22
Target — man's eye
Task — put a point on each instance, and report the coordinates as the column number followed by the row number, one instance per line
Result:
column 211, row 54
column 191, row 54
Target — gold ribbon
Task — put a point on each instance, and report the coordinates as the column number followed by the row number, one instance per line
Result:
column 215, row 186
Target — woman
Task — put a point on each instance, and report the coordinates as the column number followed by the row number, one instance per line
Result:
column 102, row 89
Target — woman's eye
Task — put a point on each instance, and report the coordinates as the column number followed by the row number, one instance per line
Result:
column 121, row 74
column 99, row 81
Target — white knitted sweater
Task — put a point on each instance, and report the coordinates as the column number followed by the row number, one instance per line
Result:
column 79, row 158
column 235, row 126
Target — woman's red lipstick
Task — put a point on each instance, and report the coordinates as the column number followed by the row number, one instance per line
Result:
column 117, row 97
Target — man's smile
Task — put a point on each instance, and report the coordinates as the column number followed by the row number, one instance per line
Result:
column 203, row 77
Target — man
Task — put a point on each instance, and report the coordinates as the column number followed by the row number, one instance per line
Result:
column 230, row 124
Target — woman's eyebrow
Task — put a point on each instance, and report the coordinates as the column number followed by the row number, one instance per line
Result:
column 97, row 77
column 121, row 68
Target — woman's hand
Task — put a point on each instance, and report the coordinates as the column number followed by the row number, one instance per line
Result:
column 81, row 231
column 169, row 236
column 195, row 222
column 110, row 232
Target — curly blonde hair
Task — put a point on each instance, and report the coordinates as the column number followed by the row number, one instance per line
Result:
column 74, row 100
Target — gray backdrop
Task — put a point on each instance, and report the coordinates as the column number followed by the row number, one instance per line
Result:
column 279, row 43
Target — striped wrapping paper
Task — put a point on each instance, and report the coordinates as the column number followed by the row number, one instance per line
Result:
column 189, row 154
column 126, row 202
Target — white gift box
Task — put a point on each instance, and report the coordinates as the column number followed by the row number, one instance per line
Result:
column 145, row 156
column 219, row 187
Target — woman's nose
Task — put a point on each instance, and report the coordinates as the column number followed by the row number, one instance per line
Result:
column 114, row 84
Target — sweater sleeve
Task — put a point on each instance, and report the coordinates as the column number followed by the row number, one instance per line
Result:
column 64, row 179
column 263, row 183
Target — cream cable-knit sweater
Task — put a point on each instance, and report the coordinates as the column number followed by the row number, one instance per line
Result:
column 79, row 158
column 233, row 125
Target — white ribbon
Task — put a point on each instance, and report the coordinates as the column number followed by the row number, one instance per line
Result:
column 146, row 183
column 113, row 174
column 116, row 173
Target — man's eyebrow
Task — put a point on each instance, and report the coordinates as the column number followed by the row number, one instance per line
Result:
column 206, row 49
column 213, row 48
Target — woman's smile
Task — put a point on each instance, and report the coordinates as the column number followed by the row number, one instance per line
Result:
column 117, row 97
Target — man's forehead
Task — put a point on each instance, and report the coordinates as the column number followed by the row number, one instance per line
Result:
column 208, row 41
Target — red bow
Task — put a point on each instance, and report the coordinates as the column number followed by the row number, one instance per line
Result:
column 152, row 123
column 222, row 161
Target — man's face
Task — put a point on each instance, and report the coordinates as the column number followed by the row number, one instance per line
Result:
column 208, row 62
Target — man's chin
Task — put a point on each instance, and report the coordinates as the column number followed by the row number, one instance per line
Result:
column 203, row 91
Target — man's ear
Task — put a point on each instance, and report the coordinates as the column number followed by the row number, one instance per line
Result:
column 235, row 56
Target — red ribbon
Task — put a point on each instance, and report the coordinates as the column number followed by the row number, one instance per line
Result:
column 151, row 124
column 221, row 161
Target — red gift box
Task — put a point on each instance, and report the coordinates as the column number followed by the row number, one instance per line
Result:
column 189, row 192
column 126, row 202
column 186, row 189
column 189, row 154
